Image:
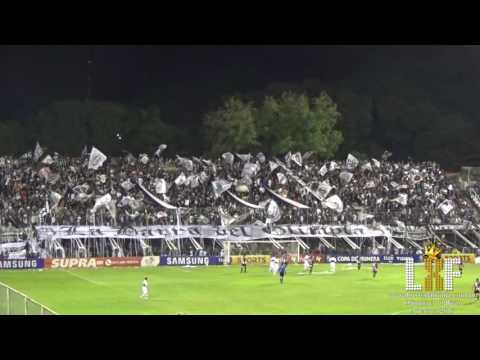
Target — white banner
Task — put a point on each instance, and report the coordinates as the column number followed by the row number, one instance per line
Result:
column 287, row 200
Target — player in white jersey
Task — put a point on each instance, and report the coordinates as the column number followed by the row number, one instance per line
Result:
column 306, row 263
column 273, row 265
column 144, row 289
column 333, row 264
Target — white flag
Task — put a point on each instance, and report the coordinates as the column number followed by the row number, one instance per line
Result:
column 323, row 170
column 273, row 211
column 161, row 186
column 282, row 179
column 48, row 160
column 127, row 185
column 394, row 185
column 370, row 184
column 352, row 162
column 401, row 199
column 273, row 165
column 367, row 166
column 346, row 176
column 376, row 163
column 180, row 180
column 143, row 158
column 446, row 207
column 324, row 189
column 249, row 170
column 228, row 158
column 333, row 165
column 38, row 152
column 97, row 158
column 186, row 163
column 261, row 157
column 55, row 198
column 203, row 177
column 220, row 186
column 297, row 158
column 334, row 203
column 193, row 181
column 107, row 202
column 244, row 157
column 160, row 150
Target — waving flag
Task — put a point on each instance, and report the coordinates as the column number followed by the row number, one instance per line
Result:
column 334, row 203
column 272, row 165
column 346, row 176
column 97, row 158
column 160, row 149
column 324, row 189
column 228, row 158
column 323, row 170
column 287, row 200
column 282, row 179
column 186, row 163
column 352, row 162
column 401, row 199
column 308, row 155
column 127, row 185
column 161, row 186
column 220, row 186
column 376, row 163
column 261, row 157
column 243, row 202
column 180, row 180
column 38, row 152
column 143, row 158
column 155, row 199
column 446, row 206
column 367, row 167
column 297, row 158
column 48, row 160
column 244, row 157
column 249, row 170
column 333, row 165
column 273, row 211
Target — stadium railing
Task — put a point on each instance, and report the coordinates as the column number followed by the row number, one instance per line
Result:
column 13, row 302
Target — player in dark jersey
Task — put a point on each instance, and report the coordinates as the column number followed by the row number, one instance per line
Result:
column 243, row 264
column 476, row 289
column 460, row 266
column 283, row 269
column 312, row 261
column 359, row 263
column 375, row 269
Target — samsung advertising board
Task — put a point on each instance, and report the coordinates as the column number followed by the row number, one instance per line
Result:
column 190, row 260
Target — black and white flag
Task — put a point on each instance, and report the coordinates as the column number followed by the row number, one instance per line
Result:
column 446, row 206
column 367, row 167
column 333, row 165
column 401, row 199
column 273, row 211
column 297, row 158
column 38, row 152
column 261, row 157
column 272, row 165
column 376, row 163
column 186, row 163
column 143, row 158
column 48, row 160
column 220, row 186
column 161, row 186
column 282, row 179
column 323, row 170
column 180, row 180
column 244, row 157
column 346, row 176
column 249, row 170
column 323, row 189
column 160, row 149
column 334, row 203
column 97, row 158
column 228, row 158
column 352, row 162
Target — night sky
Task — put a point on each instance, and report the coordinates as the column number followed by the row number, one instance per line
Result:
column 192, row 77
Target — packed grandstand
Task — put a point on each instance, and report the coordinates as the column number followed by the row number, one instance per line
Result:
column 42, row 192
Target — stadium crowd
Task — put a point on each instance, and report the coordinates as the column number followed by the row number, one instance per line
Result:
column 64, row 190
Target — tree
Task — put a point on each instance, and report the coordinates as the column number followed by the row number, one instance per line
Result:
column 294, row 122
column 232, row 127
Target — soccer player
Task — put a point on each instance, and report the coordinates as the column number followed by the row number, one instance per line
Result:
column 243, row 264
column 145, row 289
column 283, row 269
column 359, row 263
column 312, row 261
column 476, row 289
column 375, row 269
column 273, row 265
column 460, row 267
column 332, row 264
column 306, row 263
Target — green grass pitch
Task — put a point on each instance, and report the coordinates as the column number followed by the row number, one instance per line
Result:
column 224, row 290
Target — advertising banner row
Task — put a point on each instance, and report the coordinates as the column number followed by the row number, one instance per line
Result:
column 145, row 261
column 392, row 259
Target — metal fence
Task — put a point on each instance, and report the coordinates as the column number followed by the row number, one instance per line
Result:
column 13, row 302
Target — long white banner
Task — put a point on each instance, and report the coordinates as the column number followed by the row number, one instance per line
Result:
column 233, row 232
